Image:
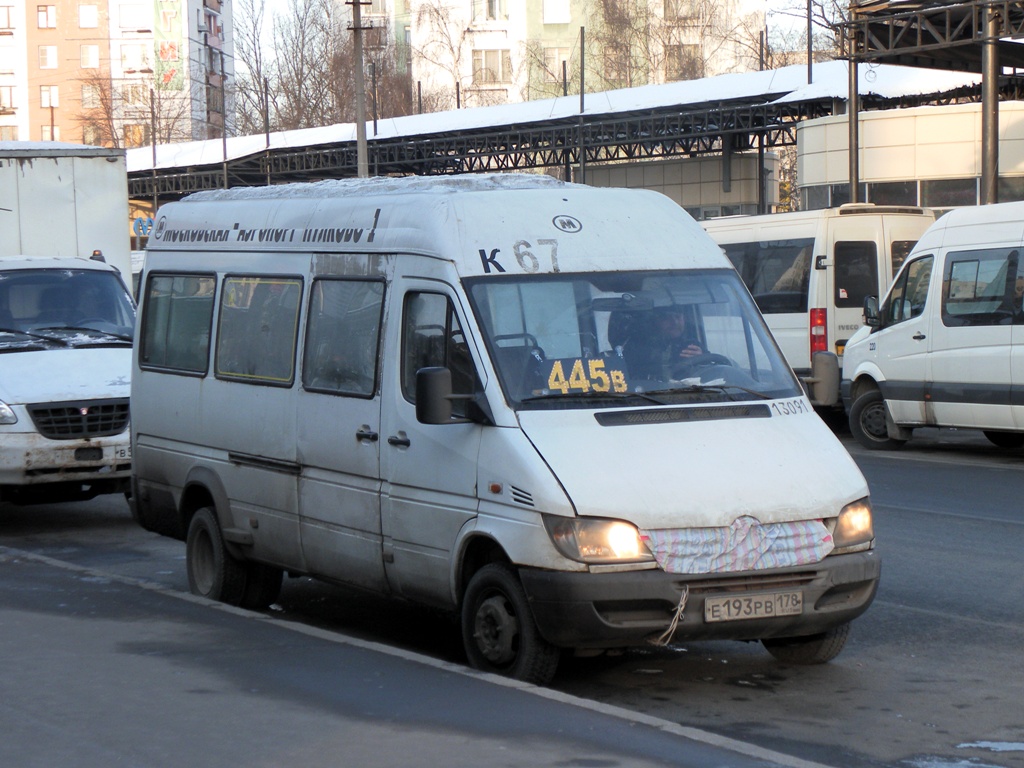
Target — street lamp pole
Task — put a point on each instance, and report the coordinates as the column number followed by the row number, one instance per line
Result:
column 362, row 164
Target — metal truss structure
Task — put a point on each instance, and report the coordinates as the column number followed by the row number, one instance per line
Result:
column 936, row 35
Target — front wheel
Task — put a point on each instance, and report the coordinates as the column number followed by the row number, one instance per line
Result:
column 498, row 629
column 1005, row 439
column 868, row 422
column 813, row 649
column 212, row 571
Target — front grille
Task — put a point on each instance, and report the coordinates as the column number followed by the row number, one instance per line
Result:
column 86, row 418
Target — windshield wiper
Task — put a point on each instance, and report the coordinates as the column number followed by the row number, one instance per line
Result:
column 118, row 336
column 723, row 388
column 33, row 335
column 593, row 395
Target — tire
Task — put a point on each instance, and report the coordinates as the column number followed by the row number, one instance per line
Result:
column 262, row 586
column 498, row 629
column 212, row 572
column 1008, row 440
column 813, row 649
column 868, row 422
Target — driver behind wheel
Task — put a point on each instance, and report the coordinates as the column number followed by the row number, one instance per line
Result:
column 657, row 348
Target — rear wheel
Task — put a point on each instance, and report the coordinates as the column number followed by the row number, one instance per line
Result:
column 212, row 571
column 868, row 422
column 1005, row 439
column 498, row 629
column 813, row 649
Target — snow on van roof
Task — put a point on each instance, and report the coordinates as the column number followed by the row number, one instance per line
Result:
column 787, row 84
column 334, row 188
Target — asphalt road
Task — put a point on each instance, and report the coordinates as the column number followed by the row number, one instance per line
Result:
column 931, row 677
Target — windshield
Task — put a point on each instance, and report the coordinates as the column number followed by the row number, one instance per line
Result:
column 602, row 339
column 63, row 307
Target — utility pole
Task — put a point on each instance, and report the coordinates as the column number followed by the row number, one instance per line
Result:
column 362, row 164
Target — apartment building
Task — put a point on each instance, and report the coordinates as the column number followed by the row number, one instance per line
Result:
column 115, row 72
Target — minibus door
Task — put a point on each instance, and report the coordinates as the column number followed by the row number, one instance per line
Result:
column 429, row 470
column 853, row 277
column 338, row 415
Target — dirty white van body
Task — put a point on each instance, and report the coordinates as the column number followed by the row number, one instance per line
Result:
column 946, row 346
column 810, row 271
column 292, row 411
column 66, row 329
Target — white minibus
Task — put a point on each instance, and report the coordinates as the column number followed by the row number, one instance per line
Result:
column 551, row 409
column 810, row 271
column 943, row 349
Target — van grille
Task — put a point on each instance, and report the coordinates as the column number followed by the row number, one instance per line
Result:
column 85, row 418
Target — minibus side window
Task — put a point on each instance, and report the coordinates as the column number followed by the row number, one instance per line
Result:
column 176, row 323
column 856, row 273
column 432, row 336
column 909, row 293
column 978, row 287
column 258, row 328
column 343, row 336
column 776, row 272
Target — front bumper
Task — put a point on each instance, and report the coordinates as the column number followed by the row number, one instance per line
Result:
column 29, row 459
column 609, row 610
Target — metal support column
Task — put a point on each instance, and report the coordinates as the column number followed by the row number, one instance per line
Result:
column 990, row 110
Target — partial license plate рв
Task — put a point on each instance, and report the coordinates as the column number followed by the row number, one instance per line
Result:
column 764, row 606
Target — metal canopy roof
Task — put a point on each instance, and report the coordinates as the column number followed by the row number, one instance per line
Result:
column 935, row 35
column 666, row 125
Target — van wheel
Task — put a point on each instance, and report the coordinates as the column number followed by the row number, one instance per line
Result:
column 867, row 422
column 813, row 649
column 262, row 586
column 1005, row 439
column 212, row 572
column 498, row 629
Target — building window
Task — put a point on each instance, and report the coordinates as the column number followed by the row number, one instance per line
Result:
column 6, row 98
column 135, row 134
column 492, row 67
column 8, row 133
column 134, row 58
column 683, row 62
column 47, row 56
column 1011, row 188
column 893, row 193
column 90, row 57
column 6, row 17
column 378, row 7
column 136, row 94
column 88, row 16
column 557, row 12
column 679, row 10
column 46, row 16
column 50, row 133
column 553, row 60
column 489, row 10
column 6, row 60
column 90, row 97
column 49, row 96
column 132, row 16
column 91, row 134
column 949, row 193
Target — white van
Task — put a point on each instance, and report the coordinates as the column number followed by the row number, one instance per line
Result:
column 810, row 271
column 943, row 350
column 439, row 389
column 66, row 329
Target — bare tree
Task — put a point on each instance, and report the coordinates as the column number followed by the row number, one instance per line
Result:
column 445, row 49
column 252, row 70
column 120, row 113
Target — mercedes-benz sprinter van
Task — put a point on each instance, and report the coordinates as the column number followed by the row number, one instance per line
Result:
column 552, row 409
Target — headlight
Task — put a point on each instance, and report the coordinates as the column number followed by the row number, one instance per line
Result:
column 6, row 414
column 853, row 526
column 594, row 540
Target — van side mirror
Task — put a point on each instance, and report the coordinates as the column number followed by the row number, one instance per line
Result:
column 871, row 317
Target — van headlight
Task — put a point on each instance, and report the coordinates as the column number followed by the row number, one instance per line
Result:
column 853, row 526
column 597, row 540
column 6, row 414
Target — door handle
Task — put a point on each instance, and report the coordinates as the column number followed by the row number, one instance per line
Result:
column 366, row 434
column 399, row 442
column 918, row 336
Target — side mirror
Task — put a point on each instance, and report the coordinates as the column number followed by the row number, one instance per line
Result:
column 871, row 317
column 433, row 395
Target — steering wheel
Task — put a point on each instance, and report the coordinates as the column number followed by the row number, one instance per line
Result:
column 695, row 363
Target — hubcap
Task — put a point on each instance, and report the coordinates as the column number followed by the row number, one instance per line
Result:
column 202, row 563
column 872, row 421
column 496, row 630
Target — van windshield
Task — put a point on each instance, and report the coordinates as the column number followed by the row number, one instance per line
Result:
column 51, row 308
column 623, row 338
